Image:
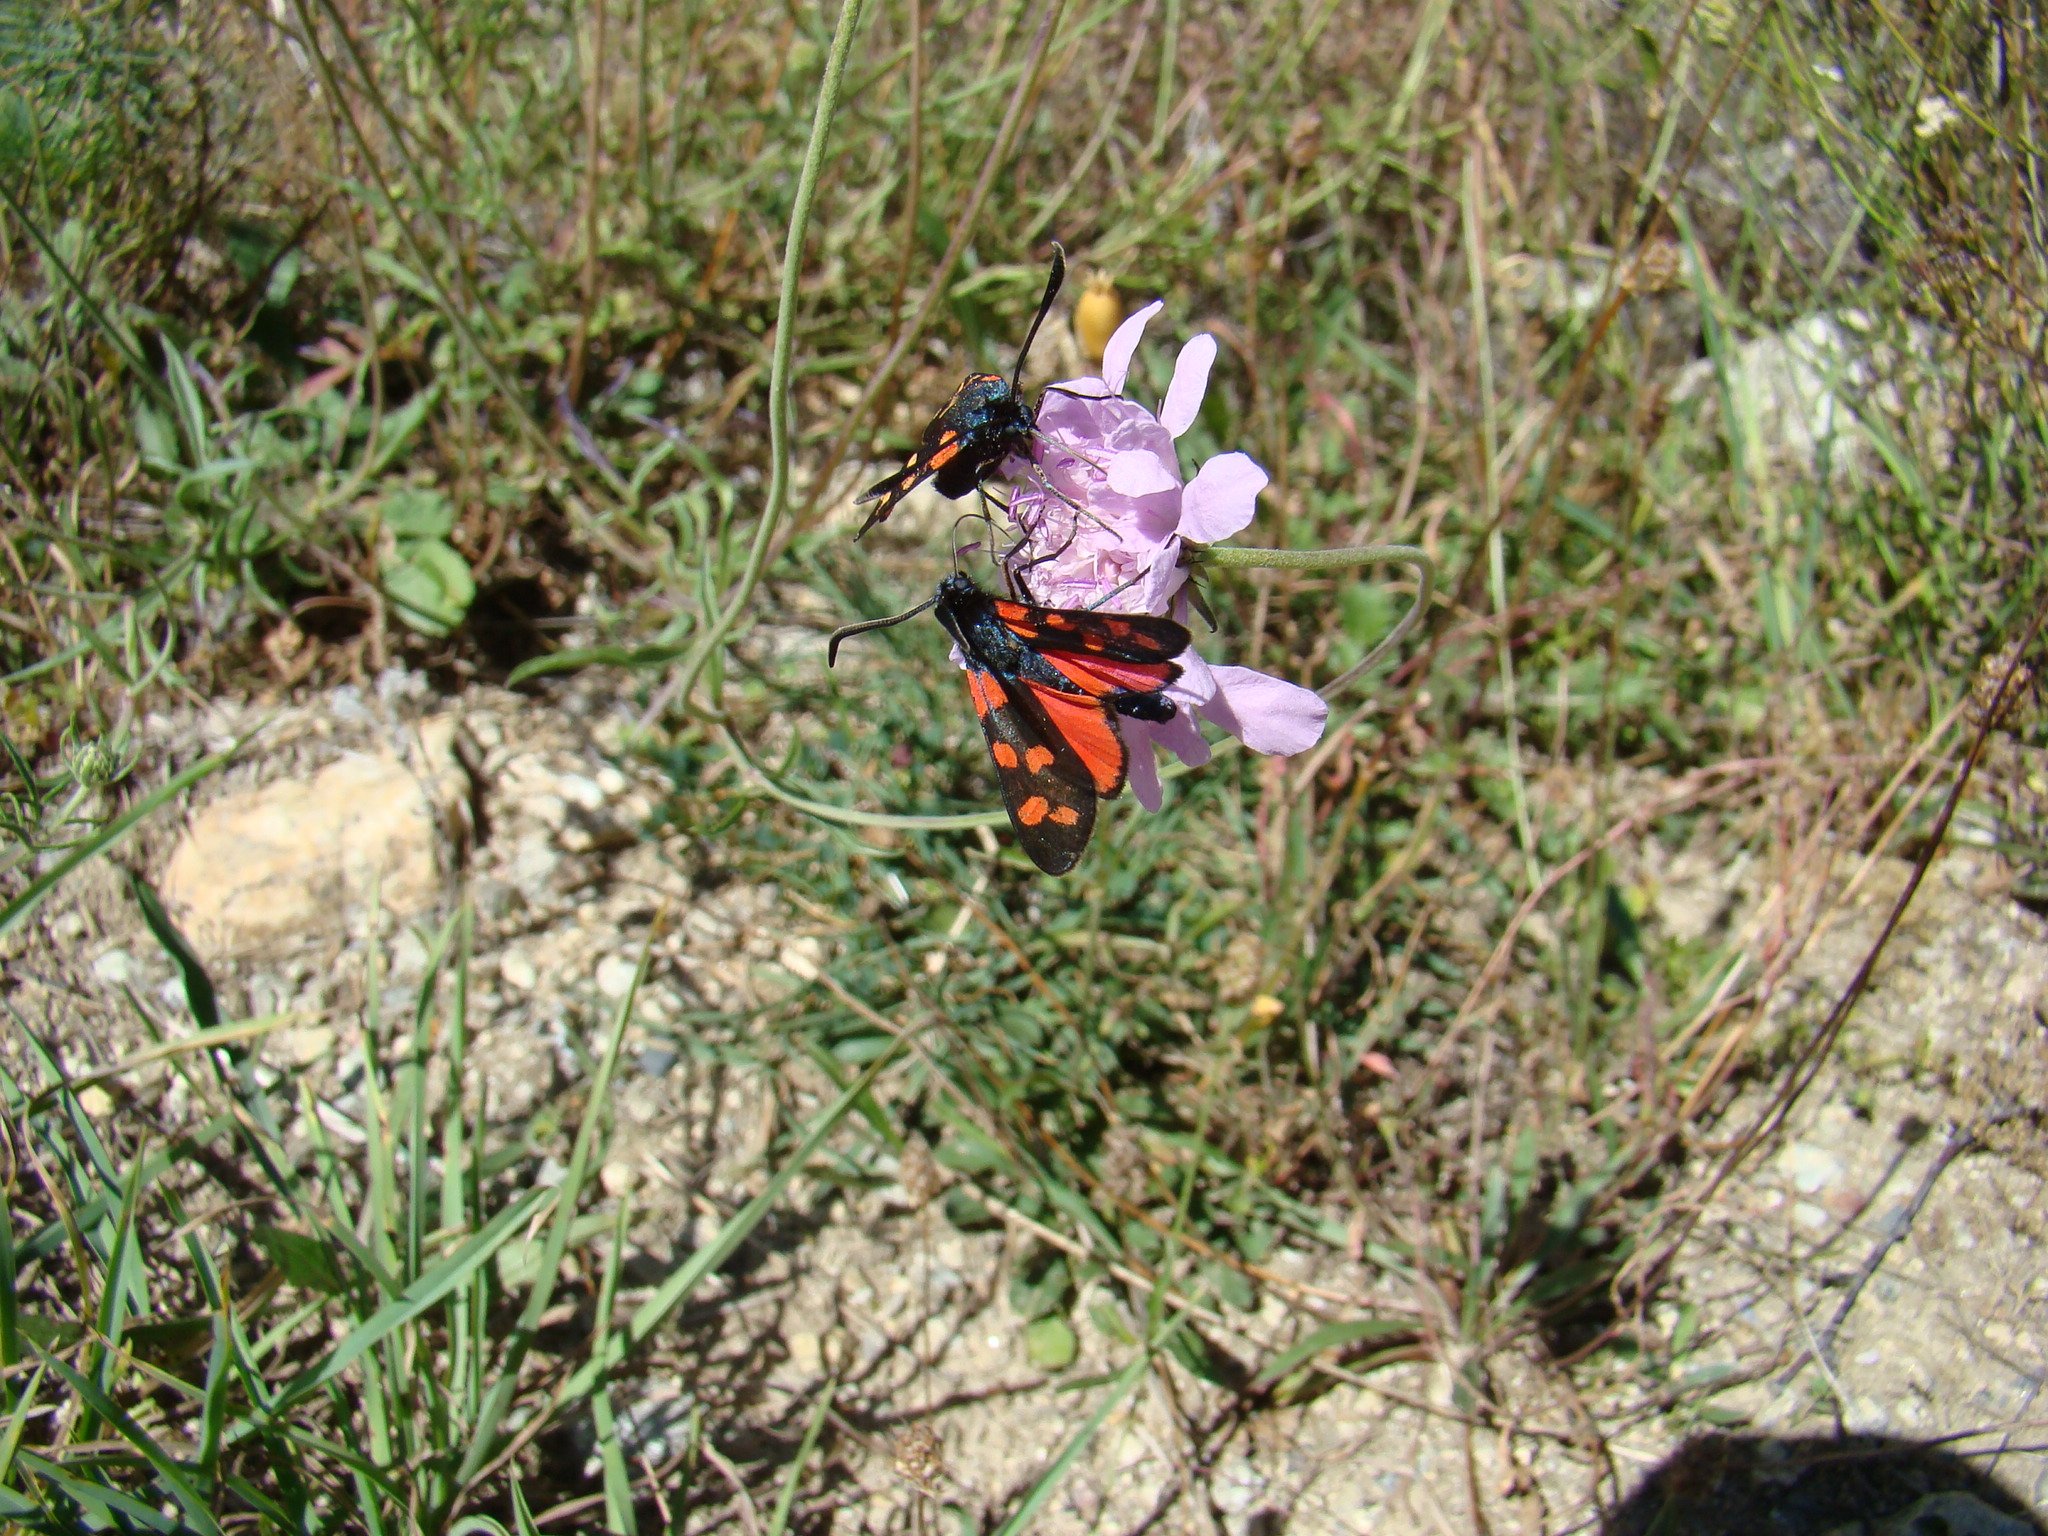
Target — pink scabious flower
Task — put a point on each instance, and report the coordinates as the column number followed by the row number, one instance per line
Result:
column 1106, row 528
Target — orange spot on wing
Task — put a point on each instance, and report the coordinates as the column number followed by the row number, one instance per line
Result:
column 986, row 692
column 1031, row 812
column 1066, row 815
column 1005, row 754
column 948, row 451
column 1038, row 759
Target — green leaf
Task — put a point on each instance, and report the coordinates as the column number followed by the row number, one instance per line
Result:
column 431, row 586
column 416, row 512
column 1041, row 1285
column 305, row 1260
column 967, row 1213
column 1686, row 1329
column 1230, row 1286
column 1329, row 1336
column 633, row 657
column 155, row 438
column 199, row 993
column 1050, row 1344
column 283, row 278
column 17, row 133
column 397, row 430
column 1200, row 1358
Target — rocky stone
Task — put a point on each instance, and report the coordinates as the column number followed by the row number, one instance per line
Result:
column 306, row 1045
column 517, row 971
column 293, row 860
column 1810, row 1168
column 116, row 967
column 615, row 976
column 1799, row 397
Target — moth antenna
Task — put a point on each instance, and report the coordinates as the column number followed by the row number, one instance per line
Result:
column 1052, row 290
column 847, row 632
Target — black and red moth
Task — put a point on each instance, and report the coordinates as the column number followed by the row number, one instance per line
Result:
column 1050, row 685
column 987, row 421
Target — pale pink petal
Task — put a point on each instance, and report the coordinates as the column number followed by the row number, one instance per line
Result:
column 1221, row 499
column 1123, row 346
column 1268, row 714
column 1144, row 764
column 1196, row 684
column 1140, row 474
column 1161, row 580
column 1190, row 382
column 1183, row 738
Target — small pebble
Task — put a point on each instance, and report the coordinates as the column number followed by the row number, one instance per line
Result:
column 116, row 967
column 517, row 971
column 802, row 957
column 615, row 976
column 583, row 793
column 1811, row 1168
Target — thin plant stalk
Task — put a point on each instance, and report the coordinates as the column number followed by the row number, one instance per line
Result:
column 779, row 365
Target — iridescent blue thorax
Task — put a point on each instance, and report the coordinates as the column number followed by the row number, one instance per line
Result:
column 989, row 421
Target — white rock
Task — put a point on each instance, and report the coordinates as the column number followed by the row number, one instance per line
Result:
column 615, row 976
column 517, row 971
column 292, row 859
column 802, row 957
column 307, row 1045
column 1810, row 1168
column 116, row 967
column 581, row 792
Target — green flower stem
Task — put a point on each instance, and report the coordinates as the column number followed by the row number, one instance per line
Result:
column 825, row 811
column 1329, row 560
column 714, row 636
column 1227, row 555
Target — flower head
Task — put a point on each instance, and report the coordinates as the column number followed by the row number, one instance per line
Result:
column 1106, row 521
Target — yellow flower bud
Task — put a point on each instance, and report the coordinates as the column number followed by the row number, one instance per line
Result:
column 1097, row 313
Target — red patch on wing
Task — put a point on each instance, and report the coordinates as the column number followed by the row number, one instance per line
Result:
column 1099, row 675
column 1087, row 727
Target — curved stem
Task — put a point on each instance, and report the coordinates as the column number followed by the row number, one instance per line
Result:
column 714, row 636
column 1337, row 559
column 826, row 811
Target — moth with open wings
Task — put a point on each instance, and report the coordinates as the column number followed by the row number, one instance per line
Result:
column 1049, row 686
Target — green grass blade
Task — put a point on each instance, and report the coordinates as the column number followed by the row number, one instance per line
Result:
column 677, row 1287
column 1329, row 1336
column 785, row 1501
column 484, row 1438
column 199, row 993
column 412, row 1304
column 171, row 1475
column 1121, row 1387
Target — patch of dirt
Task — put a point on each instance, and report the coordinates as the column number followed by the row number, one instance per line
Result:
column 572, row 876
